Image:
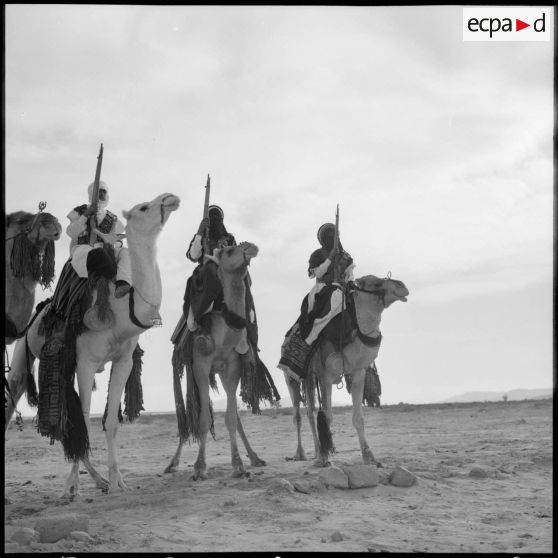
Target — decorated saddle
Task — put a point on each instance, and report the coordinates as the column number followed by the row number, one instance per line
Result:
column 78, row 305
column 340, row 331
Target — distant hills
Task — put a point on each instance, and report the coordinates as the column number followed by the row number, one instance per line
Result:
column 512, row 395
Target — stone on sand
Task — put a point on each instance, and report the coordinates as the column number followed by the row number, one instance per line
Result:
column 52, row 529
column 478, row 472
column 24, row 536
column 334, row 476
column 361, row 475
column 81, row 536
column 280, row 485
column 402, row 477
column 336, row 536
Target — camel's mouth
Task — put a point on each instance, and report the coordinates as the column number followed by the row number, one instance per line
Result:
column 171, row 202
column 250, row 250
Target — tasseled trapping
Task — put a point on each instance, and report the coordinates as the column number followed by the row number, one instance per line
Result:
column 256, row 383
column 133, row 392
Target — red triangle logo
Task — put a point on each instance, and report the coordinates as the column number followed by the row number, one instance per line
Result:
column 519, row 25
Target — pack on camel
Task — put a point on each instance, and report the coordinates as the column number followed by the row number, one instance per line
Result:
column 205, row 355
column 110, row 335
column 346, row 346
column 29, row 261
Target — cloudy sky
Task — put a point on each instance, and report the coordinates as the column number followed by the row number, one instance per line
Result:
column 438, row 152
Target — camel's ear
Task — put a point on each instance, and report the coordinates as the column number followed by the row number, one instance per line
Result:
column 126, row 214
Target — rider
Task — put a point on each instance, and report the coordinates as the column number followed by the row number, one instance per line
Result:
column 203, row 290
column 325, row 299
column 109, row 230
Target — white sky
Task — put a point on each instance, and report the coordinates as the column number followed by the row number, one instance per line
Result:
column 438, row 151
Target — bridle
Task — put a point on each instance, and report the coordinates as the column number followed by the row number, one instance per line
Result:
column 30, row 227
column 379, row 292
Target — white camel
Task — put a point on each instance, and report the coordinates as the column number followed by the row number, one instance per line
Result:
column 95, row 348
column 371, row 296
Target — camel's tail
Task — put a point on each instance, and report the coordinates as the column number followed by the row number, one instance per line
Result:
column 324, row 434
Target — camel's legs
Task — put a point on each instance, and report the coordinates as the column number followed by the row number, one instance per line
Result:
column 121, row 369
column 17, row 378
column 229, row 379
column 85, row 375
column 254, row 459
column 201, row 368
column 310, row 410
column 325, row 390
column 175, row 461
column 357, row 389
column 294, row 392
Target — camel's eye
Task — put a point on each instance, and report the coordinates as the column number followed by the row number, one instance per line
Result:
column 144, row 208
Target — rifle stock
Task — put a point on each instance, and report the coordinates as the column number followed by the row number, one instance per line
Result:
column 95, row 196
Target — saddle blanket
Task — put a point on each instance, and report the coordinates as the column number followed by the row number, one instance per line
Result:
column 294, row 355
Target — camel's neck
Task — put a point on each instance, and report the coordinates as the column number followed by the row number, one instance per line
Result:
column 369, row 314
column 234, row 293
column 146, row 277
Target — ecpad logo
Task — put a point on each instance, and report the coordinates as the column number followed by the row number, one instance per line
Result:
column 507, row 24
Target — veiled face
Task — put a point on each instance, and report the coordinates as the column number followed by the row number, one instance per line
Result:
column 327, row 238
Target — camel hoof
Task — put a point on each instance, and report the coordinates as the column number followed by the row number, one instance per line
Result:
column 257, row 462
column 322, row 463
column 299, row 456
column 171, row 468
column 199, row 475
column 238, row 474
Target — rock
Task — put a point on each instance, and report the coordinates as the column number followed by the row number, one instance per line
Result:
column 336, row 536
column 301, row 487
column 402, row 477
column 24, row 536
column 478, row 473
column 230, row 503
column 280, row 485
column 361, row 476
column 81, row 536
column 11, row 547
column 334, row 476
column 52, row 529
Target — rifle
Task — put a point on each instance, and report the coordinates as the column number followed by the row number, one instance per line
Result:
column 336, row 247
column 205, row 237
column 95, row 197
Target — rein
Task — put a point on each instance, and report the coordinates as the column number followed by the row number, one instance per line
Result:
column 132, row 314
column 234, row 321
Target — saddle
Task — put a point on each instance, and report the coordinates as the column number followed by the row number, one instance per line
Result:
column 74, row 302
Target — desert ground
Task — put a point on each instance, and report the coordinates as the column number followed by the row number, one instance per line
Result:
column 483, row 484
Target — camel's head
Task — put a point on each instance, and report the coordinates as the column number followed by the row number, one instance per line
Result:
column 235, row 259
column 150, row 217
column 39, row 228
column 387, row 290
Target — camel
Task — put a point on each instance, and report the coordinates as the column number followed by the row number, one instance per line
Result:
column 216, row 354
column 327, row 365
column 29, row 261
column 131, row 316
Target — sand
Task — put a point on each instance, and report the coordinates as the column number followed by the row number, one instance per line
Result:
column 446, row 510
